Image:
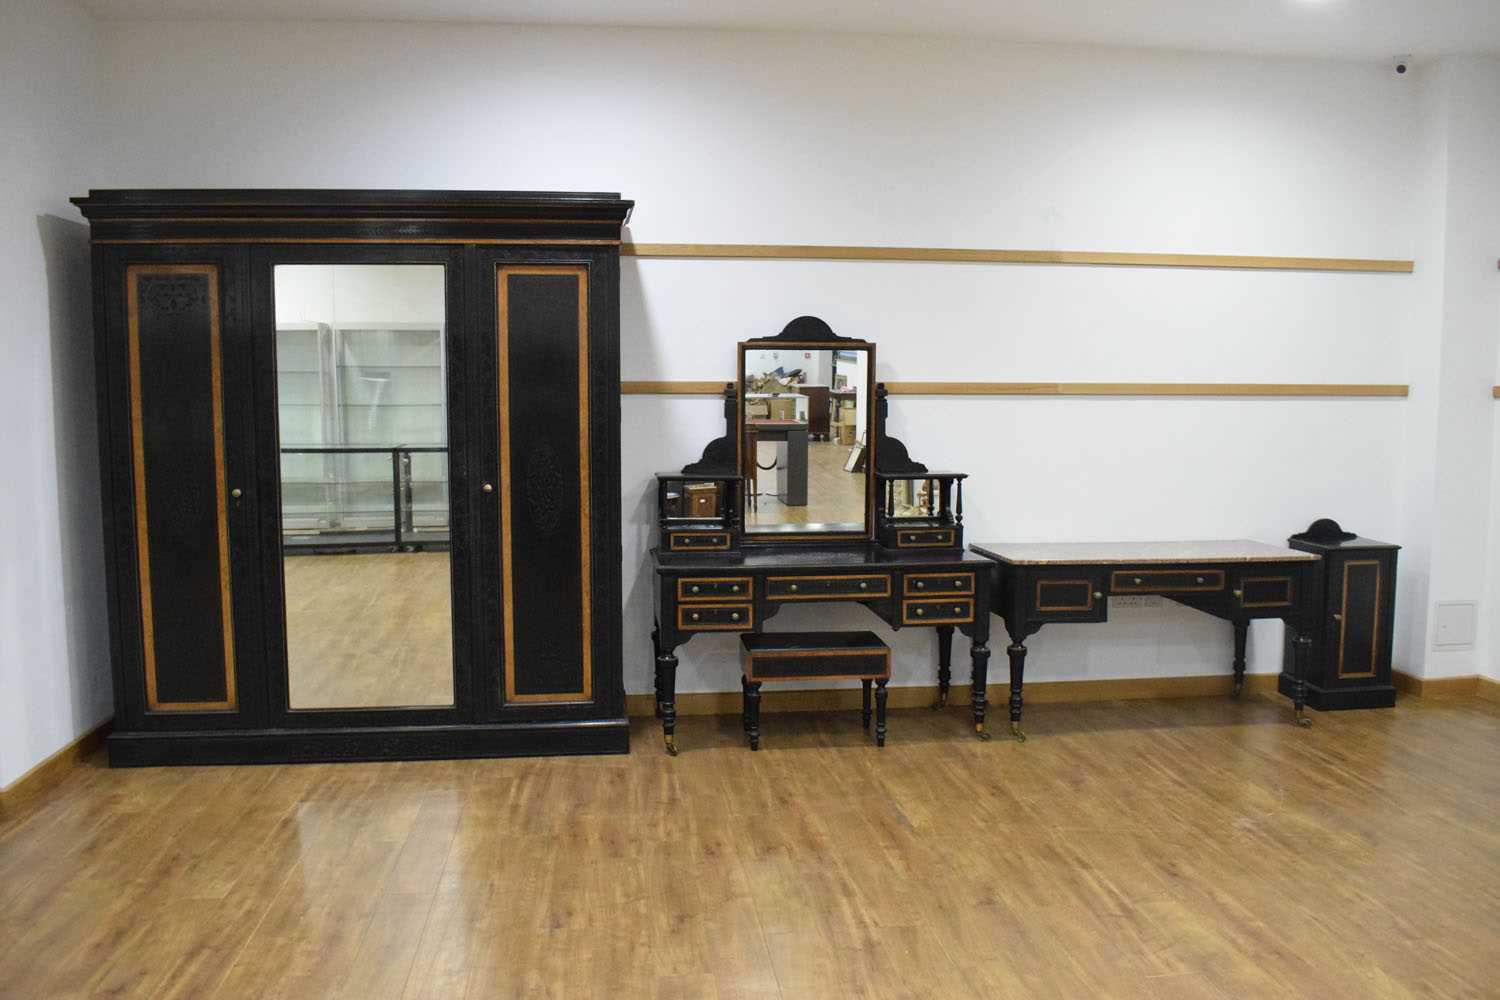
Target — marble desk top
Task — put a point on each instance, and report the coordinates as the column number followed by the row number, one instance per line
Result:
column 1138, row 553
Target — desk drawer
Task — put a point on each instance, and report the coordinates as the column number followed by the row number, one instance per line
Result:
column 715, row 617
column 697, row 541
column 705, row 588
column 948, row 611
column 1165, row 581
column 1065, row 595
column 925, row 538
column 828, row 588
column 1265, row 590
column 924, row 584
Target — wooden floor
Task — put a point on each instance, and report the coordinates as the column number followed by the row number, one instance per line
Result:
column 367, row 630
column 1193, row 848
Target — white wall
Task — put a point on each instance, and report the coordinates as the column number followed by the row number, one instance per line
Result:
column 54, row 640
column 725, row 137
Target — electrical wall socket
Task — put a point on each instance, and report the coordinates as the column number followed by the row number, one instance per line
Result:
column 1455, row 624
column 1136, row 601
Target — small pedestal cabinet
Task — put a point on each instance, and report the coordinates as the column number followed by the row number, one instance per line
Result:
column 1349, row 664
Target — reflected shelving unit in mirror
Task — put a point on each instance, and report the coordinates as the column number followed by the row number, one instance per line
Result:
column 361, row 450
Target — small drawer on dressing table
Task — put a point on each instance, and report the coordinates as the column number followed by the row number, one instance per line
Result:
column 827, row 588
column 709, row 588
column 715, row 617
column 697, row 541
column 924, row 584
column 1067, row 595
column 945, row 611
column 925, row 538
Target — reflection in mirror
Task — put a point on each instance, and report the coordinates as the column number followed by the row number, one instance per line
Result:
column 363, row 416
column 803, row 453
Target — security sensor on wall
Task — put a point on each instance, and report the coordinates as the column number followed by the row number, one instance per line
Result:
column 1400, row 64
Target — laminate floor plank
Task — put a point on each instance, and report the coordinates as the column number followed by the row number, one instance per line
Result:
column 1201, row 848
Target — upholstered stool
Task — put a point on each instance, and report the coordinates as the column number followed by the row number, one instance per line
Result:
column 805, row 656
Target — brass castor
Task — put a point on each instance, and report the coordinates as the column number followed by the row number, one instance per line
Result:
column 671, row 746
column 1015, row 730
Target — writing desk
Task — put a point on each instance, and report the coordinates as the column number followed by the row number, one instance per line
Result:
column 1035, row 584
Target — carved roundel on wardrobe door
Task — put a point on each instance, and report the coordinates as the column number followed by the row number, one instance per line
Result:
column 169, row 296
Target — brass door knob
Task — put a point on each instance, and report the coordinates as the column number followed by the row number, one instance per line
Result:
column 1239, row 593
column 1337, row 617
column 236, row 492
column 488, row 487
column 1098, row 596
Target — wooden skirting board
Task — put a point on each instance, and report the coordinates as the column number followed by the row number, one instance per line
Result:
column 1471, row 686
column 1314, row 390
column 1239, row 262
column 52, row 770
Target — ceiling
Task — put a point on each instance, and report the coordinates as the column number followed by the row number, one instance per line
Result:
column 1340, row 29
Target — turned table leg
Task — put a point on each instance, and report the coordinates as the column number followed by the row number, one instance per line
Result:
column 1240, row 630
column 752, row 699
column 945, row 663
column 866, row 697
column 1017, row 653
column 980, row 653
column 880, row 696
column 666, row 668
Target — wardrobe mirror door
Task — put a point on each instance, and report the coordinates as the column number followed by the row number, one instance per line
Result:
column 363, row 415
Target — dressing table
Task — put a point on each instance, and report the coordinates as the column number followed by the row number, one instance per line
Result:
column 876, row 528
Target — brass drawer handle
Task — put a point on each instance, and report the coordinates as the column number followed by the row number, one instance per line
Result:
column 921, row 585
column 920, row 612
column 958, row 609
column 864, row 585
column 1098, row 596
column 957, row 584
column 734, row 588
column 1137, row 580
column 734, row 616
column 695, row 588
column 1200, row 579
column 793, row 588
column 696, row 616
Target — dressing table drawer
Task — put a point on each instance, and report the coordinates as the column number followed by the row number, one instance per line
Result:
column 937, row 584
column 948, row 611
column 925, row 538
column 715, row 617
column 1165, row 581
column 827, row 588
column 699, row 588
column 697, row 541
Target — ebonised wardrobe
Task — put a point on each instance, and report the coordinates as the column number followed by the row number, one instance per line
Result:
column 360, row 460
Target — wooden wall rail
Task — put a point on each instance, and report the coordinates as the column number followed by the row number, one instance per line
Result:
column 768, row 251
column 1496, row 392
column 1261, row 389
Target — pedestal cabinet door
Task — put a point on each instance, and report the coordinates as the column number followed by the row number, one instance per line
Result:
column 181, row 478
column 542, row 501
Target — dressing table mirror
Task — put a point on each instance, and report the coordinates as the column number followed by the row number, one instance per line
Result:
column 805, row 498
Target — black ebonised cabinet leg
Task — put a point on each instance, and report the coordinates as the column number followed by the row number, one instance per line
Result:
column 1017, row 652
column 656, row 659
column 1240, row 630
column 945, row 664
column 980, row 653
column 752, row 697
column 880, row 698
column 1301, row 654
column 666, row 668
column 866, row 693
